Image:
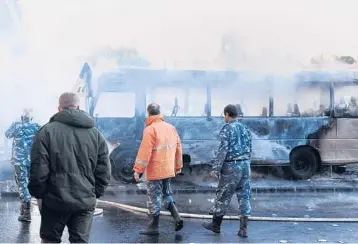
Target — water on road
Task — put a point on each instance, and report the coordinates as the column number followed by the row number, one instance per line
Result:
column 117, row 225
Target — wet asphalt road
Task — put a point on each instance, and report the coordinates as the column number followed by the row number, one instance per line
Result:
column 122, row 226
column 333, row 205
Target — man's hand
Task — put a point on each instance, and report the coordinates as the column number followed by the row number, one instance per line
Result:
column 136, row 176
column 177, row 171
column 214, row 175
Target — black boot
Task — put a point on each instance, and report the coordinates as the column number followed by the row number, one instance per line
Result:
column 243, row 226
column 152, row 228
column 215, row 225
column 22, row 209
column 25, row 214
column 178, row 221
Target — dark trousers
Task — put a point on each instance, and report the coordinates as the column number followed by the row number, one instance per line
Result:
column 53, row 223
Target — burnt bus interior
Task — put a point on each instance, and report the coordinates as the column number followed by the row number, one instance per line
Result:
column 298, row 124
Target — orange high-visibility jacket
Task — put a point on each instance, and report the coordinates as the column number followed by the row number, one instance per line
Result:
column 160, row 152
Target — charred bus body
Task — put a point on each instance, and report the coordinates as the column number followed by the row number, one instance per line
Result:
column 313, row 125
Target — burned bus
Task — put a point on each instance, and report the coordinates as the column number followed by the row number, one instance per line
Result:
column 300, row 122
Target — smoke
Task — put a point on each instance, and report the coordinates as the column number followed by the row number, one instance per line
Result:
column 43, row 49
column 274, row 36
column 28, row 77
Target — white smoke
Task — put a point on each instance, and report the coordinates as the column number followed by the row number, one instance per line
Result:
column 274, row 35
column 266, row 36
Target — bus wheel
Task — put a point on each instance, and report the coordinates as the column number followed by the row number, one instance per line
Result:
column 122, row 166
column 303, row 163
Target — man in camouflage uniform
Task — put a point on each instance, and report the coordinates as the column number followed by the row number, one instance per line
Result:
column 232, row 167
column 23, row 134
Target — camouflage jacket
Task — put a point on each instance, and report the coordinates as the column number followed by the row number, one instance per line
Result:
column 23, row 134
column 235, row 144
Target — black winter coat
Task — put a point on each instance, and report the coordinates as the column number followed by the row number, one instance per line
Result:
column 69, row 163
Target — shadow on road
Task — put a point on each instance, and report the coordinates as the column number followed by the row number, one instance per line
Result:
column 24, row 233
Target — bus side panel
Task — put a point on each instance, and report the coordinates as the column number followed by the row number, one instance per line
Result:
column 292, row 132
column 118, row 129
column 324, row 140
column 273, row 138
column 347, row 140
column 266, row 149
column 199, row 136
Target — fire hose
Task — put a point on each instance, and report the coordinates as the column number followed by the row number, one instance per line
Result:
column 204, row 216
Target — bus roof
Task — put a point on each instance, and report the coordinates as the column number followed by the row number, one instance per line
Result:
column 339, row 76
column 137, row 74
column 147, row 77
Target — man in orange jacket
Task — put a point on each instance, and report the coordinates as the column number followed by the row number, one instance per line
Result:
column 160, row 156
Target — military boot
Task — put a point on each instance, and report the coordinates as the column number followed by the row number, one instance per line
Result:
column 152, row 228
column 22, row 209
column 243, row 226
column 25, row 214
column 214, row 225
column 178, row 221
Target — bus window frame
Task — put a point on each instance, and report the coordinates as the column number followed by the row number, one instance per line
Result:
column 126, row 89
column 174, row 86
column 337, row 85
column 269, row 108
column 327, row 112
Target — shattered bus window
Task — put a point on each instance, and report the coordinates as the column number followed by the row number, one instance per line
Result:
column 304, row 101
column 252, row 101
column 179, row 102
column 115, row 105
column 171, row 100
column 196, row 102
column 345, row 104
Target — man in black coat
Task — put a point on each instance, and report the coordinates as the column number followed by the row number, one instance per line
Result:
column 70, row 170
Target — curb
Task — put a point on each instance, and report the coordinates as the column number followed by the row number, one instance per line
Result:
column 204, row 216
column 9, row 194
column 278, row 189
column 254, row 190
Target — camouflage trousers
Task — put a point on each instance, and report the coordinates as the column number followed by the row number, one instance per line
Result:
column 158, row 191
column 235, row 177
column 22, row 180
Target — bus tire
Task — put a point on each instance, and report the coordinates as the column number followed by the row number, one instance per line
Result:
column 122, row 166
column 303, row 163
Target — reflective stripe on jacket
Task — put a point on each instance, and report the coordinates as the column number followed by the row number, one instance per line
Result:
column 160, row 153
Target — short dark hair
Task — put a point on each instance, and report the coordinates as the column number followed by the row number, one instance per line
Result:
column 231, row 110
column 153, row 109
